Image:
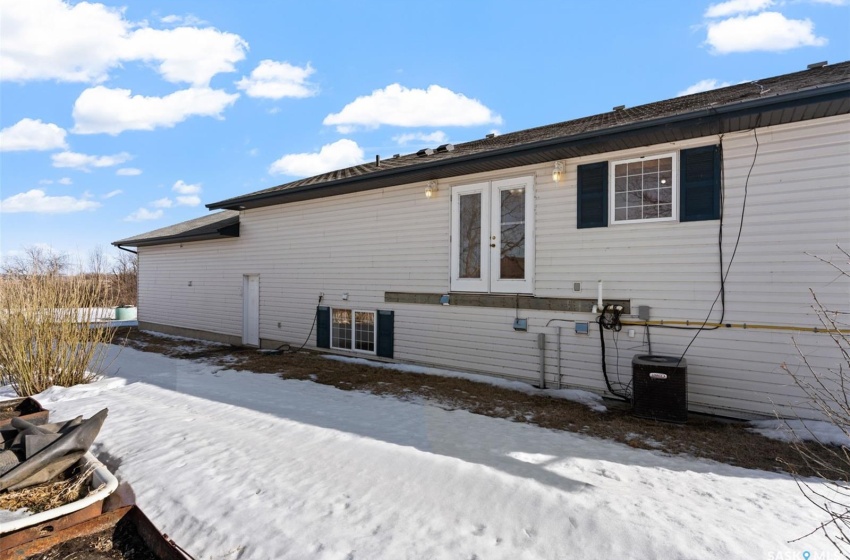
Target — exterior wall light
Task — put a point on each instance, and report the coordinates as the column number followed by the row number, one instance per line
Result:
column 558, row 172
column 432, row 189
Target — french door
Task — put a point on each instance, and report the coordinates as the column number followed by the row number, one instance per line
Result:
column 493, row 236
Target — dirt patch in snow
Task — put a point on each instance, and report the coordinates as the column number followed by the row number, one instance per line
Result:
column 703, row 436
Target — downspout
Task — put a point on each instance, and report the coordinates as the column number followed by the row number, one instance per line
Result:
column 558, row 354
column 128, row 250
column 541, row 345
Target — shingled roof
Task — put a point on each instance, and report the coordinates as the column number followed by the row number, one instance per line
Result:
column 813, row 93
column 212, row 226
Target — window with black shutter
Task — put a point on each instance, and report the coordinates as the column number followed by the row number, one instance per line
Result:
column 683, row 186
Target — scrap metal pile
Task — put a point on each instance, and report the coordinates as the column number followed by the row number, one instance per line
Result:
column 34, row 454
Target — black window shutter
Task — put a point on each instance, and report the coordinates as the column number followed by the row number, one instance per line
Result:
column 323, row 327
column 592, row 207
column 386, row 320
column 700, row 184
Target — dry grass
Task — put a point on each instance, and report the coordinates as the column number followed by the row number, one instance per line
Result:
column 48, row 495
column 724, row 441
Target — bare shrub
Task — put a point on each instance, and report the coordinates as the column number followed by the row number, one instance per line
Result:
column 47, row 330
column 826, row 390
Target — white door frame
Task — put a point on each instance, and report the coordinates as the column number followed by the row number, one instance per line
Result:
column 505, row 285
column 251, row 309
column 489, row 279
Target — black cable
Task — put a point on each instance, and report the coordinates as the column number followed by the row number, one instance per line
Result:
column 313, row 326
column 609, row 320
column 723, row 277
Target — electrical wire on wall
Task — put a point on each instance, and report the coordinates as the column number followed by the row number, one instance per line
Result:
column 722, row 294
column 313, row 326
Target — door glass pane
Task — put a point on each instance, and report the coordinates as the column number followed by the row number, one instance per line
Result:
column 512, row 252
column 364, row 331
column 470, row 236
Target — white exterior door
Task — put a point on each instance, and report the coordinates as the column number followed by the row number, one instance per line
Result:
column 251, row 309
column 493, row 236
column 511, row 235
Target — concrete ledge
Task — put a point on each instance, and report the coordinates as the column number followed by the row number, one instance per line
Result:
column 575, row 305
column 191, row 333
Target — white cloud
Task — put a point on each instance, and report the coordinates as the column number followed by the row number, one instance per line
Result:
column 275, row 80
column 832, row 2
column 733, row 7
column 188, row 19
column 181, row 187
column 44, row 39
column 32, row 134
column 51, row 39
column 110, row 194
column 128, row 171
column 37, row 201
column 186, row 54
column 767, row 31
column 143, row 215
column 101, row 109
column 162, row 203
column 703, row 85
column 188, row 200
column 436, row 137
column 340, row 154
column 397, row 105
column 65, row 181
column 84, row 162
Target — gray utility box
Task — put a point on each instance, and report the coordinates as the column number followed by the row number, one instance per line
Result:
column 660, row 388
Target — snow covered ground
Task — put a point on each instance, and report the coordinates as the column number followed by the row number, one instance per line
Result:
column 241, row 465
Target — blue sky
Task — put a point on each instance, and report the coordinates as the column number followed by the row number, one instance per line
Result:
column 117, row 118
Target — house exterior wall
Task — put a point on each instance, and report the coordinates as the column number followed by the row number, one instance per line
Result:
column 395, row 239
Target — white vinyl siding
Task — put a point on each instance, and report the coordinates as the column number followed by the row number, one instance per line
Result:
column 395, row 239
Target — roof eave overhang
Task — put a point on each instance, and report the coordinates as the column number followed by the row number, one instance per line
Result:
column 226, row 231
column 797, row 106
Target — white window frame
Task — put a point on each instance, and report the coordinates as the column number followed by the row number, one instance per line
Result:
column 352, row 313
column 489, row 281
column 674, row 172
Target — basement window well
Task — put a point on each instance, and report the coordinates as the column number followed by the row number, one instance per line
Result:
column 353, row 330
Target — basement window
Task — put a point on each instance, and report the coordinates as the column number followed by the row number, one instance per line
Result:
column 353, row 330
column 644, row 189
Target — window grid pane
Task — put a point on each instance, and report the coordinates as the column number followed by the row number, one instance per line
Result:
column 364, row 331
column 341, row 329
column 643, row 189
